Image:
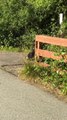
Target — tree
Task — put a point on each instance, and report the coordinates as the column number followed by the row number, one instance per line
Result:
column 21, row 20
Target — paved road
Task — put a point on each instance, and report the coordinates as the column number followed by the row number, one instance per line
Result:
column 11, row 61
column 9, row 58
column 21, row 101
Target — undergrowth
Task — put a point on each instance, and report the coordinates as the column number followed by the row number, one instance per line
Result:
column 10, row 49
column 13, row 49
column 55, row 75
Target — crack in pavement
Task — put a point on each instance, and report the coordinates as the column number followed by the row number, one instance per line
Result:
column 13, row 69
column 11, row 62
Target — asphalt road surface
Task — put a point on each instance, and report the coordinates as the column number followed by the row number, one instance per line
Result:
column 21, row 101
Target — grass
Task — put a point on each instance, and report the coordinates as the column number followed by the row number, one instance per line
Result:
column 10, row 49
column 14, row 49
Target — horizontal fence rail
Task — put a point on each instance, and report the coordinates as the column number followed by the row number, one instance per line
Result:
column 51, row 40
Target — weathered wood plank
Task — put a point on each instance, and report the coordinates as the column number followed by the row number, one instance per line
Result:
column 42, row 64
column 52, row 40
column 48, row 54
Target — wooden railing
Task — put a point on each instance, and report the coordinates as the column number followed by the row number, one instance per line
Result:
column 45, row 53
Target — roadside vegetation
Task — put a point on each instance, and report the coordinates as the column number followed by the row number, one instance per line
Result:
column 10, row 49
column 54, row 77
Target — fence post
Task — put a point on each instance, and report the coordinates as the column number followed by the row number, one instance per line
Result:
column 37, row 46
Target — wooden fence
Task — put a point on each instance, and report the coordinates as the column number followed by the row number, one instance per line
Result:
column 41, row 39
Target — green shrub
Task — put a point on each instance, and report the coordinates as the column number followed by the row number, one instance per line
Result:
column 19, row 18
column 63, row 30
column 52, row 75
column 55, row 74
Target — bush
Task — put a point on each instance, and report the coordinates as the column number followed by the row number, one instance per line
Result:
column 55, row 74
column 63, row 30
column 19, row 18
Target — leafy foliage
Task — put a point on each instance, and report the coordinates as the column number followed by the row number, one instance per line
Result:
column 55, row 74
column 19, row 18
